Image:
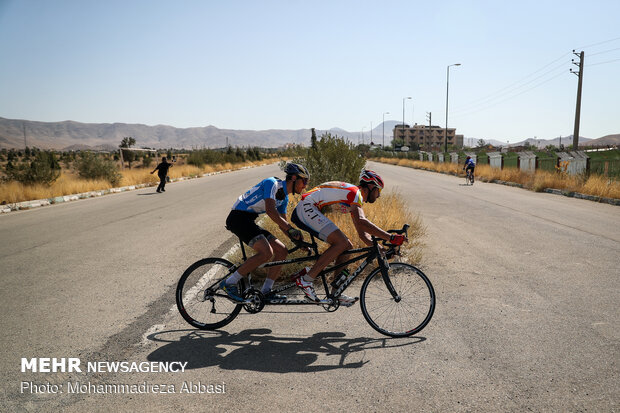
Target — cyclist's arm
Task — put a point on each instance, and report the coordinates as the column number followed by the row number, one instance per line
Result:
column 279, row 219
column 364, row 227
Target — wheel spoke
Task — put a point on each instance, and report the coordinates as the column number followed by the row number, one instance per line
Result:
column 199, row 301
column 405, row 317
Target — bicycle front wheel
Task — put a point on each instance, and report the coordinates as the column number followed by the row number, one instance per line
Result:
column 199, row 299
column 404, row 314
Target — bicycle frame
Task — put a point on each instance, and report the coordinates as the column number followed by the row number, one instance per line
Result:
column 210, row 308
column 367, row 254
column 468, row 176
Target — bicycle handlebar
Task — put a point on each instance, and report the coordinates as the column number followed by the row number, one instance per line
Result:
column 403, row 230
column 399, row 231
column 308, row 246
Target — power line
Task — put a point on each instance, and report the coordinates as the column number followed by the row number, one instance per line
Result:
column 604, row 51
column 602, row 63
column 467, row 113
column 596, row 44
column 502, row 90
column 487, row 101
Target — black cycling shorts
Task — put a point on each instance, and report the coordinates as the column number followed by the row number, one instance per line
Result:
column 243, row 225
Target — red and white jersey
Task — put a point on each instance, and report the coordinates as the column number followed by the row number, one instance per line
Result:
column 334, row 193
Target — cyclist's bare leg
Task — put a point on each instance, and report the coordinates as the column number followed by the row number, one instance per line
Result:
column 264, row 253
column 279, row 253
column 338, row 244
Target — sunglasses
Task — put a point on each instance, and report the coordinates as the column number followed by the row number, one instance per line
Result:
column 304, row 180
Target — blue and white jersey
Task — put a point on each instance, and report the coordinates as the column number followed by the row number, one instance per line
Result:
column 254, row 199
column 470, row 162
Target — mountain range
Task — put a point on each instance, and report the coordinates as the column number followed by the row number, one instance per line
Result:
column 67, row 135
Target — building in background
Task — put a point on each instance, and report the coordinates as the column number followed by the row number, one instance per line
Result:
column 428, row 138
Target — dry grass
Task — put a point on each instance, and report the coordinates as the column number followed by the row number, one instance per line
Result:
column 69, row 183
column 388, row 212
column 538, row 181
column 66, row 184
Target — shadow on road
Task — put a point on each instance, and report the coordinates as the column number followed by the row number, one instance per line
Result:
column 259, row 350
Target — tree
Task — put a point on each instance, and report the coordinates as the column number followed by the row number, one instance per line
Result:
column 397, row 143
column 44, row 169
column 147, row 160
column 128, row 155
column 334, row 159
column 239, row 154
column 313, row 139
column 91, row 166
column 127, row 142
column 481, row 143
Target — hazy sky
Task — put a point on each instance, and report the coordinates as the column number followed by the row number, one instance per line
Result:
column 298, row 64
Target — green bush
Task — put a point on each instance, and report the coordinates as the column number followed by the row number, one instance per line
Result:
column 91, row 166
column 209, row 156
column 196, row 158
column 44, row 169
column 147, row 161
column 331, row 158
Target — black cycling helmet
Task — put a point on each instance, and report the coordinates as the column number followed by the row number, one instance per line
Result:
column 297, row 169
column 371, row 177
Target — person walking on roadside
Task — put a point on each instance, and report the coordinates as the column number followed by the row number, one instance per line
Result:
column 162, row 169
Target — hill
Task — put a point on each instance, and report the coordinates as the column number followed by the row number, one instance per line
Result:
column 61, row 135
column 67, row 135
column 70, row 135
column 605, row 140
column 541, row 143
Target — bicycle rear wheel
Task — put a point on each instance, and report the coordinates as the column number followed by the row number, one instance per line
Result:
column 199, row 299
column 409, row 312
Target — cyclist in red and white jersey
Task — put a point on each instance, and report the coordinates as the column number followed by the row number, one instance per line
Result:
column 346, row 198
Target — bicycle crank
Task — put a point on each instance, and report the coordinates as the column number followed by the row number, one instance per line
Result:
column 254, row 301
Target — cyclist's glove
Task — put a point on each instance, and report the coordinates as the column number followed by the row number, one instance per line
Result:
column 397, row 239
column 295, row 234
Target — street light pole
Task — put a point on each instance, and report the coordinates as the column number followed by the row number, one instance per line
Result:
column 363, row 134
column 445, row 144
column 383, row 123
column 403, row 126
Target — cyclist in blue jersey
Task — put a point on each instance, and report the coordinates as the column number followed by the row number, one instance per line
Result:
column 471, row 165
column 269, row 196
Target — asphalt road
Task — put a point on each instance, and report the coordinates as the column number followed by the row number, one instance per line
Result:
column 527, row 315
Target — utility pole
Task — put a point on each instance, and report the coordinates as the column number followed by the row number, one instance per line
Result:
column 429, row 116
column 25, row 143
column 578, row 109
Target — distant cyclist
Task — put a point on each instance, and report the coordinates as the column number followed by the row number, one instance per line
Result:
column 346, row 198
column 470, row 165
column 269, row 196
